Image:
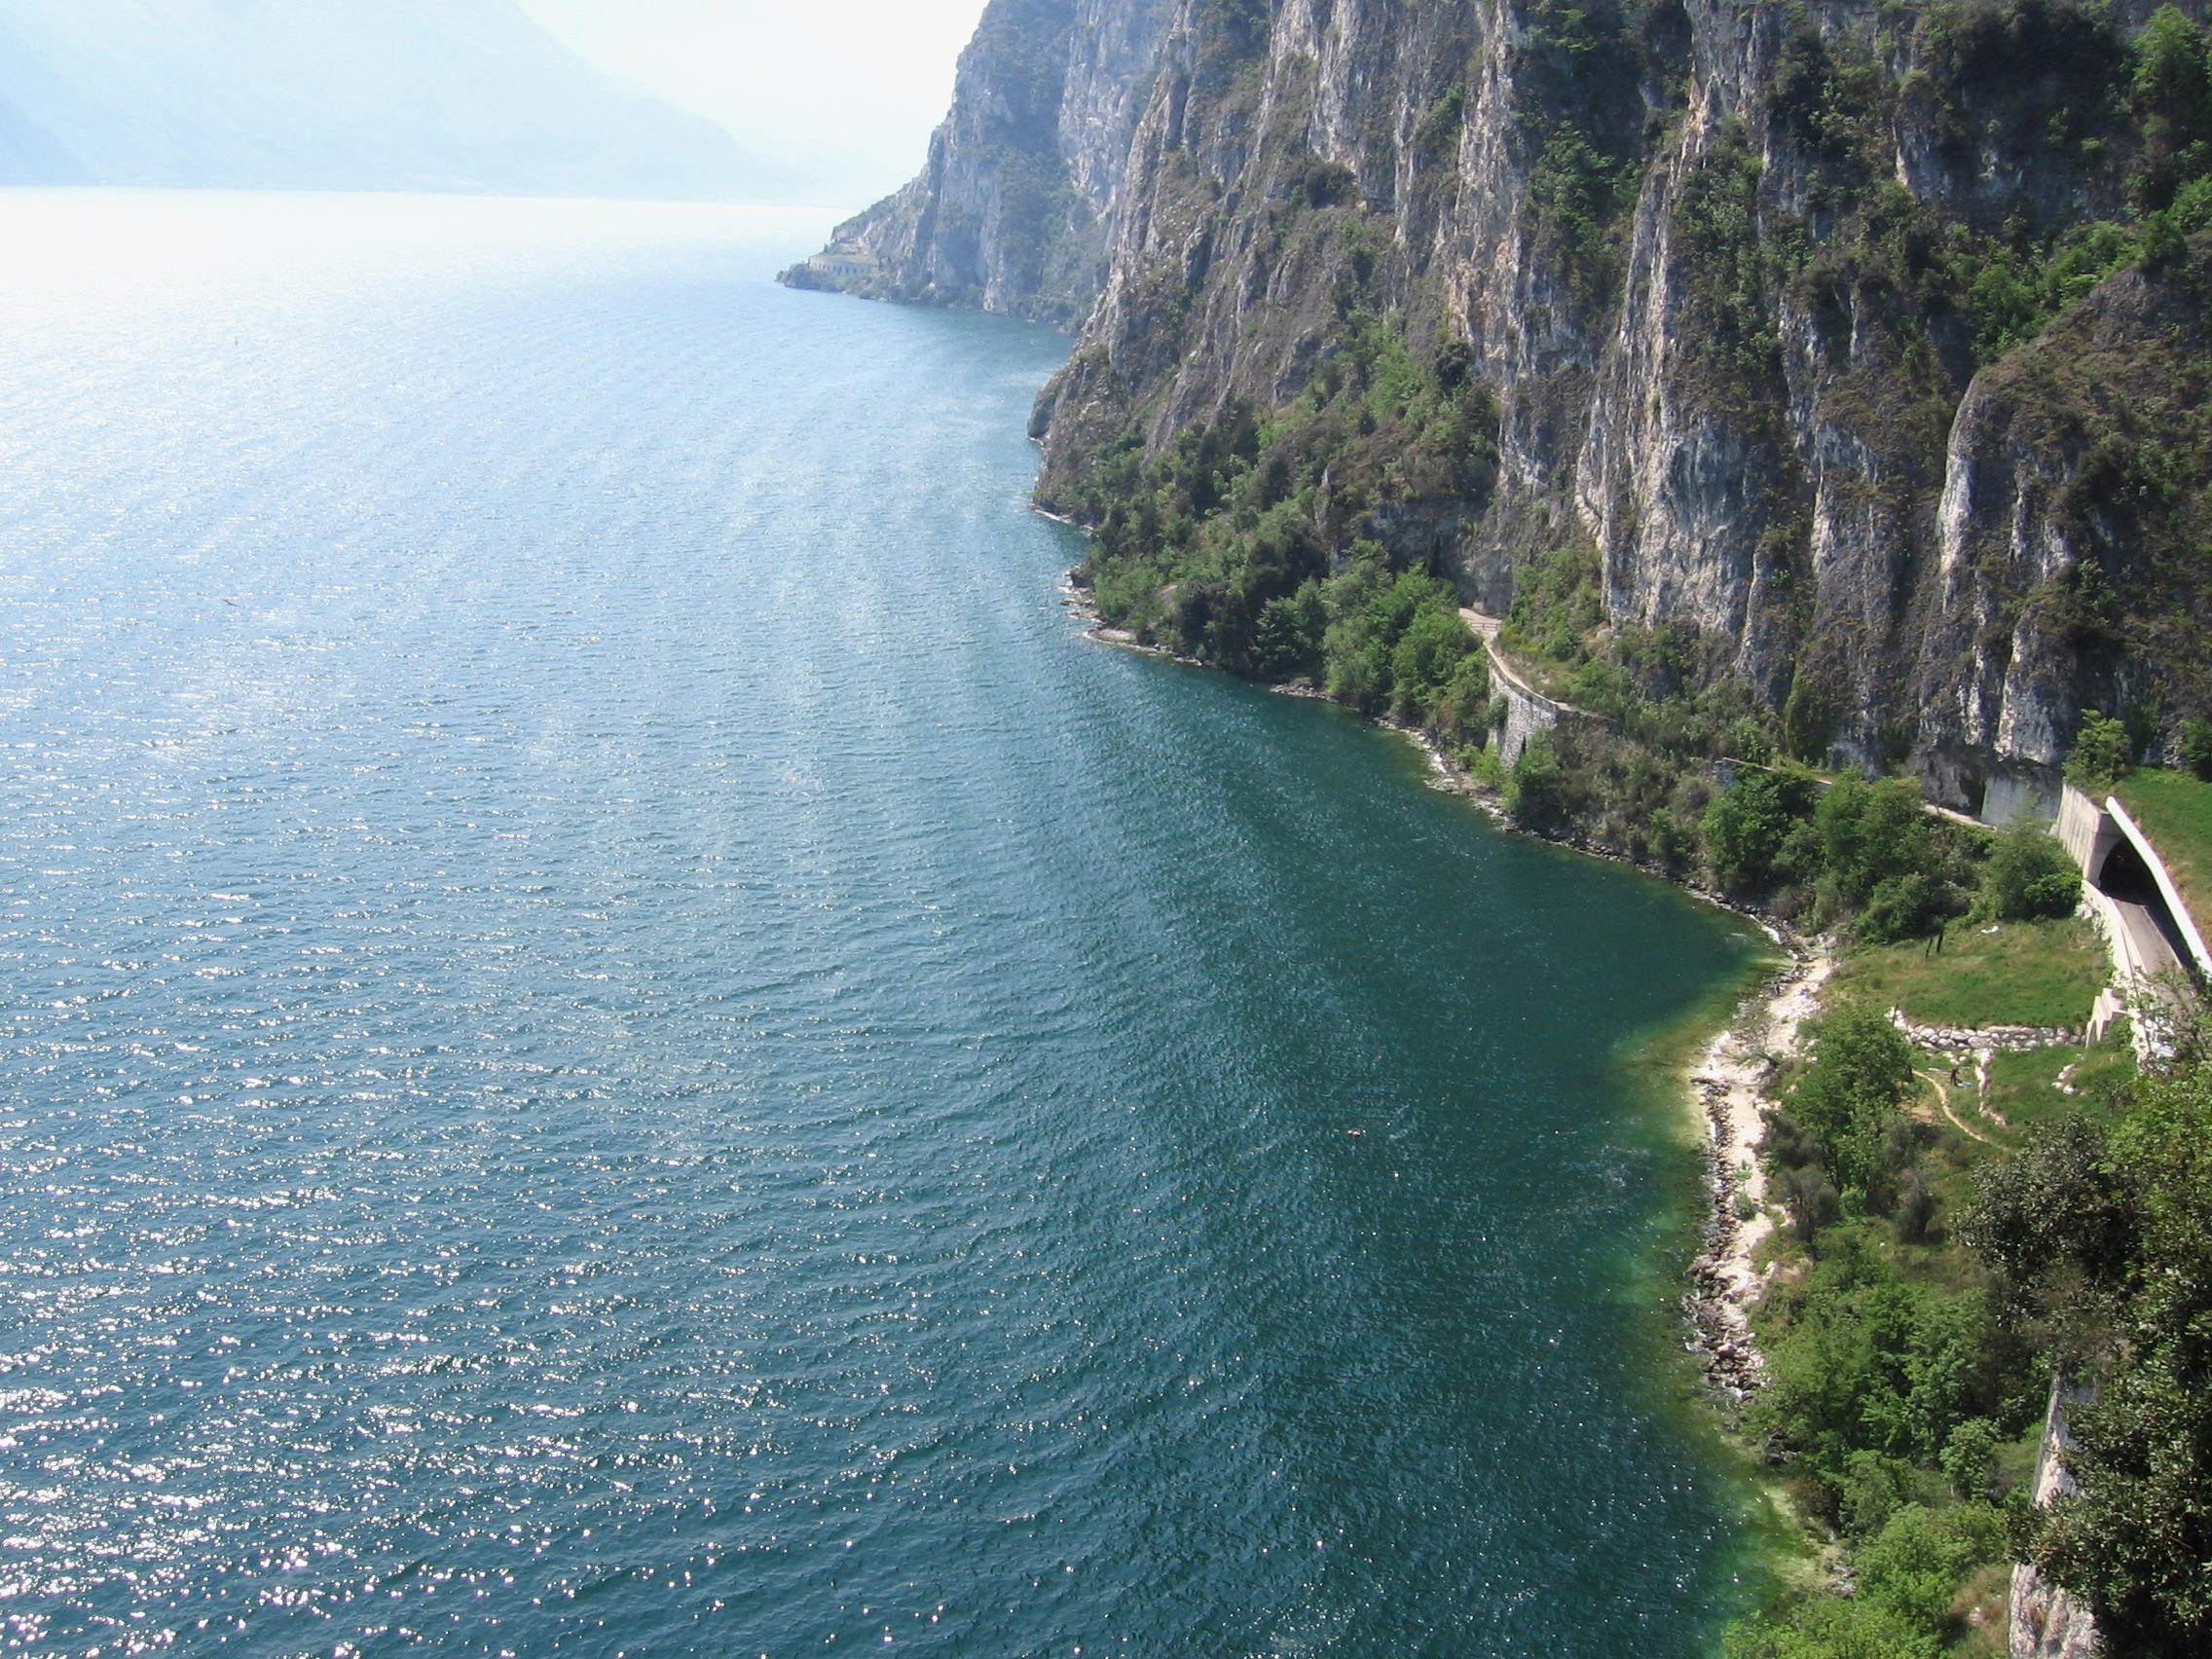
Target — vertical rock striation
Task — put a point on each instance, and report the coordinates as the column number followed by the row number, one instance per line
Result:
column 1013, row 211
column 1734, row 275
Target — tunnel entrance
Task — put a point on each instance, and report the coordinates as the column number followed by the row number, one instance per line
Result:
column 2127, row 880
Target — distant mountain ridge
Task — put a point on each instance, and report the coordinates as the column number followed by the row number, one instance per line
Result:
column 341, row 95
column 31, row 155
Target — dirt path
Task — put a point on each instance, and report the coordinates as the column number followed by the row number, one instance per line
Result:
column 1485, row 629
column 1941, row 1086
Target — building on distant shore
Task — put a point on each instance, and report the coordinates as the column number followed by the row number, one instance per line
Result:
column 842, row 262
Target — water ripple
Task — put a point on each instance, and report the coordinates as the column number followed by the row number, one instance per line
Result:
column 615, row 1037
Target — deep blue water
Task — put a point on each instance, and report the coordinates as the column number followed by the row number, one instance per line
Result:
column 616, row 1037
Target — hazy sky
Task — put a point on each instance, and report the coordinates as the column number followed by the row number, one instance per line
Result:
column 854, row 86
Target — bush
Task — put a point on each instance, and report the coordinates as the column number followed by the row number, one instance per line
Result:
column 2030, row 877
column 1788, row 1144
column 2103, row 754
column 1811, row 1199
column 1850, row 1096
column 1535, row 792
column 2196, row 747
column 1916, row 1208
column 1748, row 830
column 1913, row 1569
column 2058, row 894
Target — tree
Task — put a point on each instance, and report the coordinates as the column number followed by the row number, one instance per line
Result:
column 2102, row 756
column 1461, row 717
column 1426, row 657
column 2196, row 747
column 2029, row 877
column 1748, row 827
column 1879, row 856
column 1535, row 792
column 1287, row 641
column 1859, row 1081
column 2136, row 1540
column 2060, row 1216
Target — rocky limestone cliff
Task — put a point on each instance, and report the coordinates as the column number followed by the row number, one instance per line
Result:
column 1013, row 211
column 1778, row 310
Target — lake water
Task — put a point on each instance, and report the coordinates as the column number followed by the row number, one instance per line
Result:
column 616, row 1037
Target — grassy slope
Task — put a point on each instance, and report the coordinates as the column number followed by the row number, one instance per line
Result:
column 2020, row 973
column 2175, row 811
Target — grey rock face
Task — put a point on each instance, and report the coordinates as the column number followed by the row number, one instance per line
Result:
column 1015, row 210
column 1767, row 441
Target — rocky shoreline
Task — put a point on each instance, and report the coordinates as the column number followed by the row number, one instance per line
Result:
column 1732, row 1081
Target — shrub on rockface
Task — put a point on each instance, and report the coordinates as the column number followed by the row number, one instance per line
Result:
column 1557, row 602
column 2196, row 747
column 2103, row 754
column 2170, row 94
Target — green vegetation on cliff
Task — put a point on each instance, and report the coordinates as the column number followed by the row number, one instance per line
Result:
column 1189, row 546
column 1838, row 226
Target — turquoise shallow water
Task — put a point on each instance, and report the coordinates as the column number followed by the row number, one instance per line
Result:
column 616, row 1038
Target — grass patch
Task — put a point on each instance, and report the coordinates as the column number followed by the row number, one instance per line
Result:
column 2014, row 974
column 2025, row 1089
column 2175, row 811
